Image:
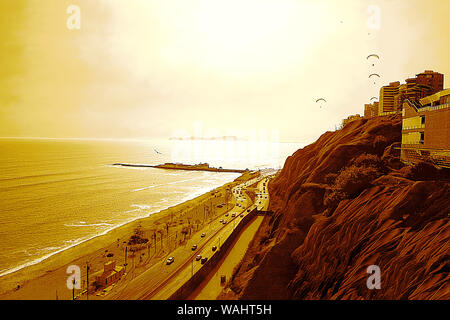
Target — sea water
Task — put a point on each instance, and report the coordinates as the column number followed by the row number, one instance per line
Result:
column 56, row 193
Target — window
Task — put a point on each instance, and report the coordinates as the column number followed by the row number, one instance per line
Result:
column 422, row 120
column 422, row 137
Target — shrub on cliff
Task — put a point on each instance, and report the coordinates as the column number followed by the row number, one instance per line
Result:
column 330, row 178
column 354, row 179
column 368, row 160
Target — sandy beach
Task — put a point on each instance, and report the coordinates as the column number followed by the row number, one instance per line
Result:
column 47, row 280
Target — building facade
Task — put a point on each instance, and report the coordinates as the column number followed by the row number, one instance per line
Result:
column 387, row 94
column 350, row 119
column 426, row 129
column 111, row 274
column 424, row 84
column 434, row 80
column 371, row 110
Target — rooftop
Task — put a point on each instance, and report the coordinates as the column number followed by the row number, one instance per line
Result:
column 435, row 97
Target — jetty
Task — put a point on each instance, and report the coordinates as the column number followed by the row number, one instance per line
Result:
column 181, row 166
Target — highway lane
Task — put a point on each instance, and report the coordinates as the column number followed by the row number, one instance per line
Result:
column 211, row 287
column 262, row 196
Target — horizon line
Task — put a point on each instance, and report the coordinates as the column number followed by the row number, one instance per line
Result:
column 109, row 139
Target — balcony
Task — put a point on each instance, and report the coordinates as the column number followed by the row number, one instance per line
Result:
column 420, row 126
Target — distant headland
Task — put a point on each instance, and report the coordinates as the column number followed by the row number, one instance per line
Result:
column 226, row 138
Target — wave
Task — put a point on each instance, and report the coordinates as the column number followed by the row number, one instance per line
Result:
column 164, row 184
column 84, row 224
column 50, row 182
column 40, row 175
column 139, row 207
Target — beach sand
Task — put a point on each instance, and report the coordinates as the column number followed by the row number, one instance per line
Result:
column 46, row 280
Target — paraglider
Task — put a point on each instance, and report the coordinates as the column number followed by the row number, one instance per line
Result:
column 374, row 74
column 157, row 151
column 322, row 101
column 373, row 56
column 373, row 98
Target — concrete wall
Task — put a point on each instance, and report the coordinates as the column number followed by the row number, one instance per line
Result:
column 437, row 129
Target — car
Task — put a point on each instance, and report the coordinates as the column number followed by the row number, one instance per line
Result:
column 170, row 260
column 198, row 257
column 224, row 221
column 203, row 235
column 204, row 260
column 226, row 214
column 248, row 210
column 214, row 248
column 242, row 215
column 233, row 215
column 194, row 247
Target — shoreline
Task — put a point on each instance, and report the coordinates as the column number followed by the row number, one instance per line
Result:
column 50, row 255
column 105, row 232
column 91, row 249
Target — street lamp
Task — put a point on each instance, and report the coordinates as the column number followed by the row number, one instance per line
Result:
column 87, row 280
column 73, row 289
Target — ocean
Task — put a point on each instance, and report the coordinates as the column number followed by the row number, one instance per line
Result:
column 56, row 193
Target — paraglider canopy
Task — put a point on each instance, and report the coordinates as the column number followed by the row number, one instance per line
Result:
column 374, row 74
column 321, row 101
column 373, row 55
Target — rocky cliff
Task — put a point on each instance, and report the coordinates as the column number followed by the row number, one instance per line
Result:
column 342, row 204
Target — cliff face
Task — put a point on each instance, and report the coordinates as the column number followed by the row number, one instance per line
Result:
column 342, row 204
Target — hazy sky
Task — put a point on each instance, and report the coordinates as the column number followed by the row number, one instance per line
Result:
column 150, row 68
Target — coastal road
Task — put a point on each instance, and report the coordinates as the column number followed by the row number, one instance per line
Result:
column 161, row 280
column 233, row 217
column 211, row 287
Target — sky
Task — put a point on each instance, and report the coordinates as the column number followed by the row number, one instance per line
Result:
column 144, row 69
